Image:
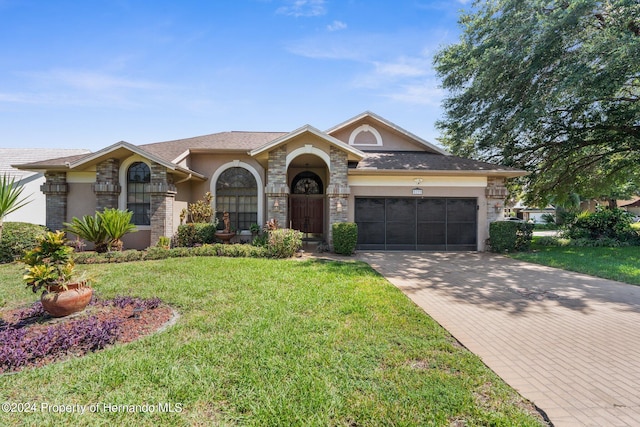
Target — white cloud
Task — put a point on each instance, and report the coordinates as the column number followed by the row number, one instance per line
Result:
column 403, row 67
column 303, row 8
column 336, row 26
column 81, row 87
column 397, row 67
column 424, row 93
column 93, row 81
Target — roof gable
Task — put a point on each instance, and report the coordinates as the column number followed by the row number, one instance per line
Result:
column 120, row 149
column 353, row 152
column 369, row 124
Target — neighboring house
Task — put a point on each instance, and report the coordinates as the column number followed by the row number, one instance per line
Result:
column 403, row 192
column 35, row 211
column 632, row 206
column 526, row 213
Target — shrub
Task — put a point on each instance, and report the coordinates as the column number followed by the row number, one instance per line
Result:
column 116, row 223
column 50, row 263
column 510, row 236
column 17, row 238
column 602, row 224
column 602, row 242
column 548, row 218
column 200, row 211
column 105, row 229
column 261, row 240
column 192, row 234
column 89, row 228
column 548, row 241
column 345, row 237
column 217, row 249
column 164, row 242
column 283, row 243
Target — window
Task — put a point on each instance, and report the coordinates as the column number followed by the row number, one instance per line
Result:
column 307, row 183
column 138, row 196
column 237, row 193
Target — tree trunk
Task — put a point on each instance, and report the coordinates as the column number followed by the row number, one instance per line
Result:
column 613, row 203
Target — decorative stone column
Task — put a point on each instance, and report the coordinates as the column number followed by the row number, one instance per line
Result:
column 55, row 190
column 338, row 190
column 163, row 193
column 496, row 194
column 107, row 186
column 277, row 190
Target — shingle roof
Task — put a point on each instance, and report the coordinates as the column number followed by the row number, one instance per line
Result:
column 629, row 203
column 19, row 156
column 423, row 161
column 236, row 140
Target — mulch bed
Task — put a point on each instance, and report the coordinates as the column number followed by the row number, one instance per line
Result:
column 105, row 322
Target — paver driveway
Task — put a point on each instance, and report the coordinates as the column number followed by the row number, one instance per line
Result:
column 568, row 342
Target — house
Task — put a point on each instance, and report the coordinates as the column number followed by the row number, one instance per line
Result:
column 533, row 214
column 403, row 192
column 631, row 206
column 34, row 212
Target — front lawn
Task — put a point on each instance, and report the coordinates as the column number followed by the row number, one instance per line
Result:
column 622, row 264
column 264, row 342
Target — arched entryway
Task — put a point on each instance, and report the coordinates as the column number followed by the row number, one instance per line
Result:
column 307, row 204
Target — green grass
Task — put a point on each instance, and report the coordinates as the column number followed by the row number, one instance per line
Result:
column 267, row 343
column 621, row 264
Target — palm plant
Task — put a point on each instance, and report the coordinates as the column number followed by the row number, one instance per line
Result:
column 105, row 230
column 10, row 200
column 90, row 229
column 116, row 223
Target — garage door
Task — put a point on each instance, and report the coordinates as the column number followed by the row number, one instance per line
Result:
column 426, row 224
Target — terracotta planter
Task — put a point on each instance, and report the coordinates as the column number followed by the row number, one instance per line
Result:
column 59, row 302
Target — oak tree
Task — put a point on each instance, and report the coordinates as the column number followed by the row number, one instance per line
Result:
column 550, row 86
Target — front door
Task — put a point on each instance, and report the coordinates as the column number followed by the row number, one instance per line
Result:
column 307, row 214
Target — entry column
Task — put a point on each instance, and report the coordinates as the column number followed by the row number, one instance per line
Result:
column 338, row 190
column 277, row 190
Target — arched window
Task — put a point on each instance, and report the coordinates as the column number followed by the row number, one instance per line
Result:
column 306, row 183
column 138, row 196
column 237, row 193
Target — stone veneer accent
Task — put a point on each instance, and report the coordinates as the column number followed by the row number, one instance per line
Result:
column 55, row 189
column 338, row 190
column 496, row 194
column 107, row 187
column 163, row 193
column 277, row 188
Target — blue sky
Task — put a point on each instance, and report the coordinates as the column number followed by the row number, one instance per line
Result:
column 89, row 73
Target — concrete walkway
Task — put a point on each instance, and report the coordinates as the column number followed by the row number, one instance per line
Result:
column 570, row 343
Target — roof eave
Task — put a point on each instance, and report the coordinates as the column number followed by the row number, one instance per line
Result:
column 425, row 172
column 307, row 128
column 136, row 150
column 40, row 168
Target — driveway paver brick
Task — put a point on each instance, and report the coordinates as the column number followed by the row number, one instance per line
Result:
column 568, row 342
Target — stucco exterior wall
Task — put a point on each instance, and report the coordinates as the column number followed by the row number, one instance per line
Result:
column 81, row 200
column 138, row 240
column 307, row 139
column 391, row 140
column 35, row 212
column 207, row 164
